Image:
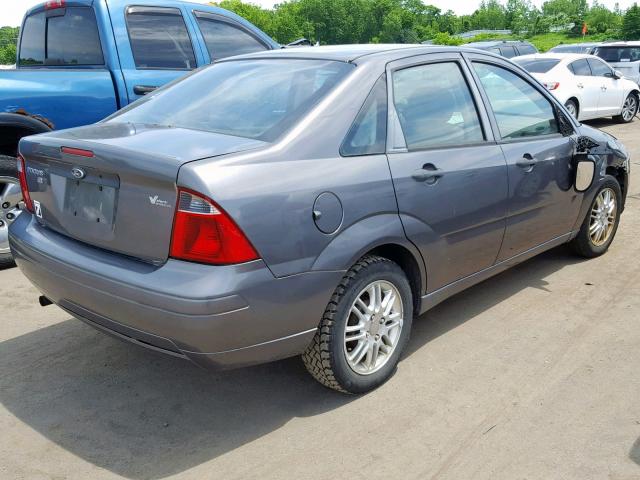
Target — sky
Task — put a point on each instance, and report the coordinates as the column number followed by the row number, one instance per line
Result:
column 12, row 11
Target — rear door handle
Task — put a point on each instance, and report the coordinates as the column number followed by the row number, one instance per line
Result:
column 143, row 89
column 580, row 85
column 429, row 174
column 527, row 162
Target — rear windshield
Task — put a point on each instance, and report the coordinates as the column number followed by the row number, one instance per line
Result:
column 618, row 54
column 65, row 36
column 258, row 99
column 537, row 65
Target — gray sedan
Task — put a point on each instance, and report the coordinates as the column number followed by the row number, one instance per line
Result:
column 310, row 202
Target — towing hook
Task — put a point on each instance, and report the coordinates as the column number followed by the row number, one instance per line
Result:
column 44, row 301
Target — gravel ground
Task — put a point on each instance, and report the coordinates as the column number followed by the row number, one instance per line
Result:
column 529, row 375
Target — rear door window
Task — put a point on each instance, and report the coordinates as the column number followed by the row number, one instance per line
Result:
column 435, row 106
column 580, row 67
column 159, row 39
column 65, row 36
column 225, row 39
column 526, row 49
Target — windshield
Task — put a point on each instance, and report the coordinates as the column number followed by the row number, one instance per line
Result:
column 258, row 99
column 618, row 54
column 537, row 65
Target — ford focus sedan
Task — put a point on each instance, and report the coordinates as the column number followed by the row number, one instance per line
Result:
column 310, row 202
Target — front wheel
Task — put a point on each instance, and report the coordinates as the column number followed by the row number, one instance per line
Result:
column 600, row 225
column 629, row 109
column 10, row 197
column 364, row 328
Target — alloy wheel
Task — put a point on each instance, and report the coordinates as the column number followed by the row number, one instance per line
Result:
column 571, row 108
column 373, row 327
column 10, row 197
column 629, row 108
column 603, row 217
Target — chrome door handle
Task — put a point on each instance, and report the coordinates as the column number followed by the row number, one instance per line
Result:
column 603, row 88
column 580, row 85
column 429, row 174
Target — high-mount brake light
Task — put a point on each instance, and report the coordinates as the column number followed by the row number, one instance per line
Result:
column 53, row 4
column 204, row 233
column 80, row 152
column 22, row 177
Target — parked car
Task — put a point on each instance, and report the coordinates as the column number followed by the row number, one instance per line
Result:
column 505, row 48
column 310, row 201
column 585, row 47
column 587, row 86
column 81, row 60
column 623, row 56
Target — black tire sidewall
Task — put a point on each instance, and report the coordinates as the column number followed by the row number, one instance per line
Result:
column 348, row 379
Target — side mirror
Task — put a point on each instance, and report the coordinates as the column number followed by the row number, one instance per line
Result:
column 585, row 172
column 617, row 74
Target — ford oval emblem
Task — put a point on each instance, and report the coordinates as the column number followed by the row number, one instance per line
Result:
column 78, row 173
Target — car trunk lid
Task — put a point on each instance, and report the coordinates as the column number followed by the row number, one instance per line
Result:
column 114, row 185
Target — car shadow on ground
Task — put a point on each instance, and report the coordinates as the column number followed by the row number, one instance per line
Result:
column 140, row 414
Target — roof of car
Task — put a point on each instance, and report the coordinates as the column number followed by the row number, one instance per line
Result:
column 569, row 57
column 348, row 53
column 631, row 43
column 495, row 43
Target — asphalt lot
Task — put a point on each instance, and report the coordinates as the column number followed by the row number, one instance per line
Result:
column 530, row 375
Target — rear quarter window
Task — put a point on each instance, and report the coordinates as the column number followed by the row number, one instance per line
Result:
column 66, row 36
column 526, row 49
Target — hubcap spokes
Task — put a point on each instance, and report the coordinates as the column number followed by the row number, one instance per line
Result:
column 10, row 197
column 373, row 327
column 603, row 217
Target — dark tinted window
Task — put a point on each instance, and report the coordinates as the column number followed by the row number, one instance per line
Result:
column 520, row 109
column 495, row 50
column 159, row 38
column 535, row 65
column 618, row 54
column 71, row 38
column 368, row 133
column 581, row 67
column 508, row 52
column 225, row 40
column 32, row 43
column 598, row 68
column 526, row 49
column 259, row 99
column 435, row 106
column 567, row 49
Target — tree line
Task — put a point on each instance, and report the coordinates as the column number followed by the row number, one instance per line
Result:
column 408, row 21
column 411, row 21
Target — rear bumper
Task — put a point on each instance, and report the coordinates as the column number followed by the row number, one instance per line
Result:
column 222, row 317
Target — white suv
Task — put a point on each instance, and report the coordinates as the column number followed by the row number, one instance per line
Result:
column 623, row 56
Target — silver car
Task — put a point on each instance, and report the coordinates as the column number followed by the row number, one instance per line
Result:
column 622, row 56
column 310, row 201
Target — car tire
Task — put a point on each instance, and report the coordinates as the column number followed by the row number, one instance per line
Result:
column 8, row 168
column 629, row 109
column 331, row 358
column 587, row 243
column 572, row 107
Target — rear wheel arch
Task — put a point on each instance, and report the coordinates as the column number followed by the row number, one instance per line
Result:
column 14, row 126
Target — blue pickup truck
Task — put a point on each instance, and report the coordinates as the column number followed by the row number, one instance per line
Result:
column 80, row 60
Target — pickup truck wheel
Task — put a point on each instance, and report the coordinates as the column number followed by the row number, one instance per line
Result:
column 629, row 109
column 10, row 197
column 364, row 329
column 601, row 223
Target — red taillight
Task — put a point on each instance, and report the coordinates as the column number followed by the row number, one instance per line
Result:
column 51, row 4
column 22, row 176
column 77, row 151
column 203, row 232
column 552, row 85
